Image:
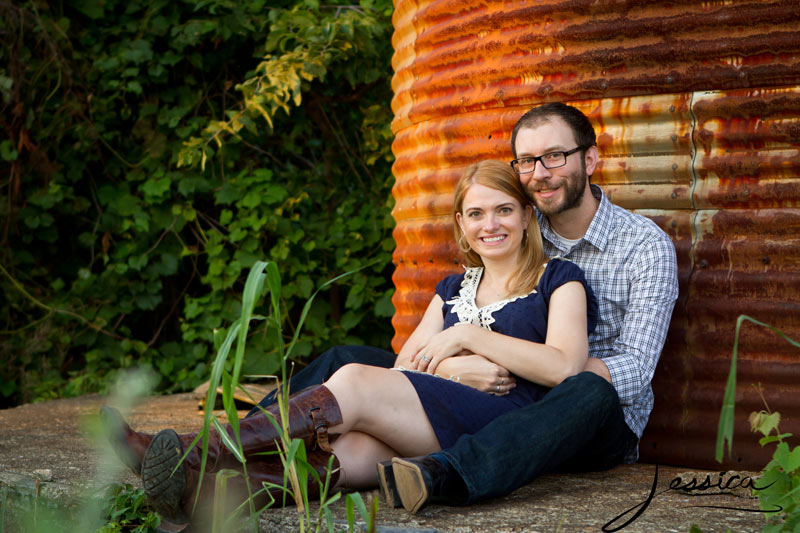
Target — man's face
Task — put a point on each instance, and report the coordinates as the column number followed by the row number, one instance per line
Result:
column 554, row 190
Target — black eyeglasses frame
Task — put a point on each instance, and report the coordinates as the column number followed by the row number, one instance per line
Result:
column 539, row 159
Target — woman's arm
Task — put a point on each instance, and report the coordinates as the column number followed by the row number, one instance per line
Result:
column 563, row 354
column 431, row 324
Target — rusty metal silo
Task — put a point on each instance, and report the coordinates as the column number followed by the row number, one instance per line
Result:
column 697, row 110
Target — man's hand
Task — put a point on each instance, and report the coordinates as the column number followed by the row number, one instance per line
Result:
column 593, row 364
column 477, row 372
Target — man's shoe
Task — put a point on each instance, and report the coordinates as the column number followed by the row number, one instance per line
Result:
column 388, row 485
column 419, row 480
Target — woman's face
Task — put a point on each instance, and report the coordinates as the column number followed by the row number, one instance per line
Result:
column 493, row 222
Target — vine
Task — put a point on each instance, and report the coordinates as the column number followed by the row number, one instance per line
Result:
column 152, row 151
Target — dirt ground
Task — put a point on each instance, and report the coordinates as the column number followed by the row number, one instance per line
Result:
column 48, row 460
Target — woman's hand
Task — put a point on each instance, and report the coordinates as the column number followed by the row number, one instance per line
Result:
column 477, row 372
column 438, row 347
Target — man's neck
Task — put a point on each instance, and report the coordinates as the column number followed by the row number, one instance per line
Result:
column 573, row 223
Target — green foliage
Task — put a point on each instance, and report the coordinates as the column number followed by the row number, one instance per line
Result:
column 725, row 427
column 152, row 151
column 779, row 495
column 128, row 511
column 780, row 479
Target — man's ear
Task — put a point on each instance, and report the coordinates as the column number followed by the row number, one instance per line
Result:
column 591, row 157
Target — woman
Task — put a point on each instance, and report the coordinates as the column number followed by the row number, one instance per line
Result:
column 511, row 306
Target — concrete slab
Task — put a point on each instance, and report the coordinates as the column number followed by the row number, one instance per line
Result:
column 47, row 463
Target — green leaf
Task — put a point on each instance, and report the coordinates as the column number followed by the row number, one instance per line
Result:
column 135, row 87
column 91, row 8
column 789, row 461
column 251, row 199
column 156, row 188
column 350, row 319
column 764, row 422
column 384, row 306
column 228, row 441
column 137, row 51
column 7, row 152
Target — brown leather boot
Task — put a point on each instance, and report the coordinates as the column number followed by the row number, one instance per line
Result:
column 265, row 477
column 130, row 445
column 311, row 412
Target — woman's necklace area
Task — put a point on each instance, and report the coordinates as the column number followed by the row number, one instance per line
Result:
column 490, row 291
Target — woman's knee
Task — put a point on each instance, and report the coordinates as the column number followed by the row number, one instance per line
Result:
column 352, row 372
column 358, row 380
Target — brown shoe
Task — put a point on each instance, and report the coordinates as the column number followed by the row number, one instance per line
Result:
column 387, row 484
column 420, row 480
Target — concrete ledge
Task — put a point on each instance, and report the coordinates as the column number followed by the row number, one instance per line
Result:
column 50, row 436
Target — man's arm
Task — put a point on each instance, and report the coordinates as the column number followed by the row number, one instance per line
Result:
column 653, row 291
column 593, row 364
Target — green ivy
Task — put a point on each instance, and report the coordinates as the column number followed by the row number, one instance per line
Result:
column 152, row 151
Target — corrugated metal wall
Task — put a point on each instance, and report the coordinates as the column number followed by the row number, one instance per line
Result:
column 697, row 110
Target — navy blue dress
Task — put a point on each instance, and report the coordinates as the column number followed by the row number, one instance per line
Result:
column 455, row 409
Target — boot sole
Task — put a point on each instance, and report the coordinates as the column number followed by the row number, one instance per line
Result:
column 387, row 484
column 410, row 484
column 164, row 489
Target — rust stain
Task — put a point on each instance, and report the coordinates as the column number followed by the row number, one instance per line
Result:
column 697, row 113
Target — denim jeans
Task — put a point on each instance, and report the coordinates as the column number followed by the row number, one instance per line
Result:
column 329, row 362
column 577, row 426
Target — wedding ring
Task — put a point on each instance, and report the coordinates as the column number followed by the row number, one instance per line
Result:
column 498, row 389
column 424, row 358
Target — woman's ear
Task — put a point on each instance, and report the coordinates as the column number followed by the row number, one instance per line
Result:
column 528, row 214
column 460, row 223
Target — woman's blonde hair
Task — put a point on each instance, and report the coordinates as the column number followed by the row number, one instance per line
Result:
column 501, row 177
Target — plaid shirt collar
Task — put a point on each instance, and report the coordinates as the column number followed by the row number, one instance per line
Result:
column 601, row 227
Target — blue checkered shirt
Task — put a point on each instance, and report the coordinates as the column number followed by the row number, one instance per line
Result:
column 631, row 266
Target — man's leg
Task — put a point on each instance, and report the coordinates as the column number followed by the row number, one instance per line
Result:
column 329, row 362
column 580, row 416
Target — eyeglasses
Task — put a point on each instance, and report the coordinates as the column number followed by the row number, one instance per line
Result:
column 525, row 165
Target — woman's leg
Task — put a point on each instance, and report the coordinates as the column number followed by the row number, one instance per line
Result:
column 358, row 453
column 382, row 403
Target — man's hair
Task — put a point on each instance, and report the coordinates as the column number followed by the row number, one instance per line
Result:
column 581, row 128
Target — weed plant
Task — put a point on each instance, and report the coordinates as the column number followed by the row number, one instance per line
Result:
column 226, row 374
column 779, row 497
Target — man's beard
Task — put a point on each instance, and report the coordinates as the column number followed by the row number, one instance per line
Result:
column 573, row 189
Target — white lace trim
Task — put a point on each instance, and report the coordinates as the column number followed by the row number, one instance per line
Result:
column 464, row 302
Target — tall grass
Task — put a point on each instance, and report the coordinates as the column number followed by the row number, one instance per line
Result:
column 264, row 279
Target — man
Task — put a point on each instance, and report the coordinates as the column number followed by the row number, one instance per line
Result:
column 592, row 421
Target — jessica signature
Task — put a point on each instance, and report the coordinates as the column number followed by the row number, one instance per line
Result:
column 692, row 485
